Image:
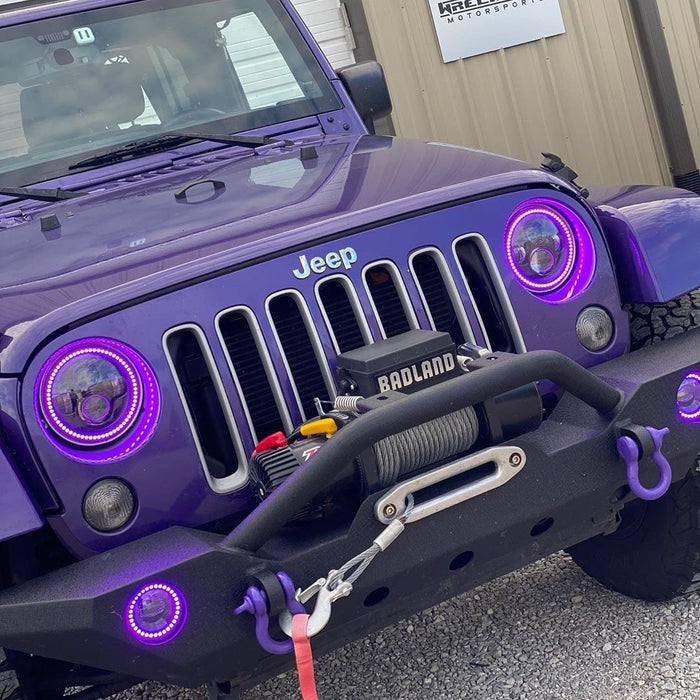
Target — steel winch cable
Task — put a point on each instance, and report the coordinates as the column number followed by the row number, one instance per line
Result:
column 425, row 444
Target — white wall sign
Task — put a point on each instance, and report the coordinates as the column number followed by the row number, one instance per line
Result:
column 471, row 27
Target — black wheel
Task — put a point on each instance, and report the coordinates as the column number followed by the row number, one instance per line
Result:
column 655, row 553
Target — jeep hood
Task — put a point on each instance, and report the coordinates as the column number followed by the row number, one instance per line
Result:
column 134, row 237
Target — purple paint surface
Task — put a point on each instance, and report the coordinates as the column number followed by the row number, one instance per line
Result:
column 18, row 515
column 652, row 234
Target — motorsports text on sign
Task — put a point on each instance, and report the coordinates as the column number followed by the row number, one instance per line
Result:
column 472, row 27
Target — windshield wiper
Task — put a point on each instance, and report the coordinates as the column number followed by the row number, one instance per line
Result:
column 56, row 195
column 146, row 147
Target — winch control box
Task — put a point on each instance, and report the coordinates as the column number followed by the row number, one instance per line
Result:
column 407, row 362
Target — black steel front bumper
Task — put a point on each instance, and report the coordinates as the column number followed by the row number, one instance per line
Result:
column 571, row 489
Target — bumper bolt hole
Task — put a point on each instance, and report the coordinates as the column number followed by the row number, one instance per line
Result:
column 541, row 527
column 377, row 596
column 461, row 560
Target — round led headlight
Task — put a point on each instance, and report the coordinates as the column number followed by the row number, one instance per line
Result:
column 97, row 400
column 156, row 613
column 688, row 398
column 549, row 250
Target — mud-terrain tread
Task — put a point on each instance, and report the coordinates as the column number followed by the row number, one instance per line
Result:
column 654, row 323
column 8, row 680
column 655, row 555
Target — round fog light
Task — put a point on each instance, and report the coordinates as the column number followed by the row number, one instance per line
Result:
column 688, row 398
column 156, row 613
column 595, row 328
column 108, row 505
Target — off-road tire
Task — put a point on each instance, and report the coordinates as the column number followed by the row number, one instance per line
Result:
column 9, row 683
column 655, row 553
column 654, row 323
column 8, row 680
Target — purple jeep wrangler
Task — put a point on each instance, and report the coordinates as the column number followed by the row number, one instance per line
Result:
column 246, row 345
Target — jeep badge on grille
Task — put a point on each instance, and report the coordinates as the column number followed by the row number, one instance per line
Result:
column 346, row 257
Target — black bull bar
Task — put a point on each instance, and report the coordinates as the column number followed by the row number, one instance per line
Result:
column 572, row 488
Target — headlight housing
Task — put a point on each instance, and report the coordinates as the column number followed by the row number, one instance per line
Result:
column 550, row 250
column 97, row 400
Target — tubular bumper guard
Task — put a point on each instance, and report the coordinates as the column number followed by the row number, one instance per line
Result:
column 573, row 479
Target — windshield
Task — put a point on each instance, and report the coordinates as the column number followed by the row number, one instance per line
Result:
column 76, row 84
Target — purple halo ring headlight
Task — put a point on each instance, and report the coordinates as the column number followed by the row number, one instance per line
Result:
column 156, row 613
column 550, row 250
column 97, row 400
column 688, row 398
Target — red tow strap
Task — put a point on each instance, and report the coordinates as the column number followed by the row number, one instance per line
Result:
column 304, row 657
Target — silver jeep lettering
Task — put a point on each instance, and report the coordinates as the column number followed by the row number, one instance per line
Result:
column 345, row 257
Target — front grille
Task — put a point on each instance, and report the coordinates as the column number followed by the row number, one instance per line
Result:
column 282, row 356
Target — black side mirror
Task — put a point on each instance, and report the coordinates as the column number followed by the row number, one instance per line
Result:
column 366, row 85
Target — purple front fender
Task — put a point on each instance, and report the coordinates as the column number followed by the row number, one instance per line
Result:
column 652, row 233
column 18, row 516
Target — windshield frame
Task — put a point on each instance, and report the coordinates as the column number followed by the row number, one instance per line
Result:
column 258, row 120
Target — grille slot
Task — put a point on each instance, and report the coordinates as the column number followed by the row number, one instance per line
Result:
column 439, row 295
column 389, row 299
column 342, row 313
column 490, row 300
column 253, row 373
column 301, row 349
column 207, row 409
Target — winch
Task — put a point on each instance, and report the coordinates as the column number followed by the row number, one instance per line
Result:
column 371, row 376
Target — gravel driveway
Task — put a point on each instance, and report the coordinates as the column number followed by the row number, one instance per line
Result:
column 547, row 631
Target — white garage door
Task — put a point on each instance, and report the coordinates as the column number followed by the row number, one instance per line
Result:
column 329, row 24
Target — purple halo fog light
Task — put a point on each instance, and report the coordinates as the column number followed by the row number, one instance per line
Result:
column 688, row 398
column 156, row 613
column 550, row 250
column 97, row 400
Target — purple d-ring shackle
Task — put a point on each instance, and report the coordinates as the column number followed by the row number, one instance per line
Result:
column 629, row 451
column 255, row 603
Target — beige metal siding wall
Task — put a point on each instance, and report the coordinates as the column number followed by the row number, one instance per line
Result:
column 582, row 95
column 681, row 20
